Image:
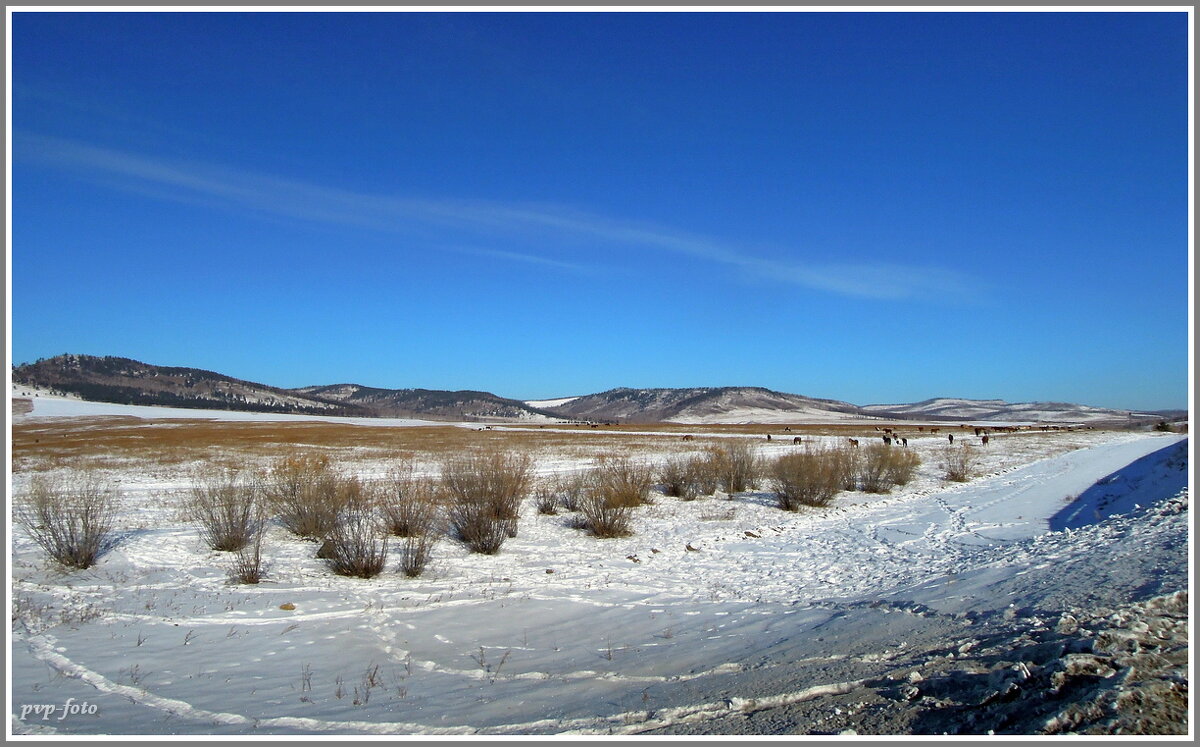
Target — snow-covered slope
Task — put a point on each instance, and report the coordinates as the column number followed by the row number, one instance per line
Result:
column 999, row 410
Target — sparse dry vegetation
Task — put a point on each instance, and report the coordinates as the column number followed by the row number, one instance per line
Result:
column 605, row 514
column 248, row 566
column 958, row 463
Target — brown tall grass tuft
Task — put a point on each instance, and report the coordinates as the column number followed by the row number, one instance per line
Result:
column 415, row 552
column 676, row 478
column 902, row 466
column 569, row 488
column 606, row 514
column 872, row 473
column 73, row 521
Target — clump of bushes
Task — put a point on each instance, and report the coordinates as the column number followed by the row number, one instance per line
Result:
column 248, row 566
column 627, row 481
column 545, row 499
column 569, row 489
column 484, row 492
column 901, row 466
column 72, row 520
column 411, row 508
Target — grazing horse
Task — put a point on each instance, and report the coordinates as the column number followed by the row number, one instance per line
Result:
column 768, row 436
column 984, row 438
column 796, row 440
column 951, row 437
column 904, row 441
column 887, row 441
column 853, row 441
column 689, row 437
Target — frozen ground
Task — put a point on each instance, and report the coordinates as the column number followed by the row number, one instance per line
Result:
column 918, row 611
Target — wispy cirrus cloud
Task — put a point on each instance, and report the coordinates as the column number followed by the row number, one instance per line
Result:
column 191, row 181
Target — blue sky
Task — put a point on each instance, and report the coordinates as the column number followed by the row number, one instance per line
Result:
column 876, row 208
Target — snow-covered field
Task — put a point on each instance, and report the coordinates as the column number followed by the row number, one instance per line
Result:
column 818, row 622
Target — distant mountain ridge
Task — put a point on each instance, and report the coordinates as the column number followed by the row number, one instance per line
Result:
column 126, row 381
column 425, row 403
column 130, row 382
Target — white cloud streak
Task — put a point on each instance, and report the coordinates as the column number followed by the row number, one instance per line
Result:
column 186, row 181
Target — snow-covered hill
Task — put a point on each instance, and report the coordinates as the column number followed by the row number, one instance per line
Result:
column 703, row 405
column 999, row 410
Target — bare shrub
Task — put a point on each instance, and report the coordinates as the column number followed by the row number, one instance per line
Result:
column 248, row 566
column 415, row 552
column 357, row 544
column 227, row 506
column 307, row 493
column 625, row 481
column 703, row 473
column 737, row 466
column 676, row 479
column 410, row 506
column 847, row 463
column 958, row 463
column 873, row 468
column 607, row 513
column 545, row 499
column 901, row 466
column 484, row 492
column 807, row 478
column 570, row 488
column 73, row 521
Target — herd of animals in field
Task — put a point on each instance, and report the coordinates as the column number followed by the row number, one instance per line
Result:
column 889, row 436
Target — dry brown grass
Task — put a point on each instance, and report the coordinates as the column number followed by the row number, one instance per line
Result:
column 116, row 441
